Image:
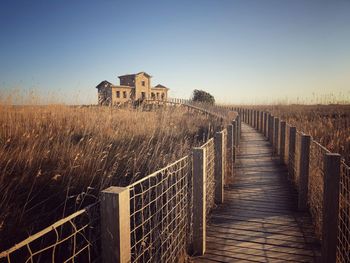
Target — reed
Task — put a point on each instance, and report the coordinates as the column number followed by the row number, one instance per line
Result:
column 55, row 159
column 327, row 124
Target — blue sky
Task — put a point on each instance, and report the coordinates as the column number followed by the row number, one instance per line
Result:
column 240, row 51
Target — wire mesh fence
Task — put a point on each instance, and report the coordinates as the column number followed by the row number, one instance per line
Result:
column 343, row 247
column 210, row 171
column 316, row 180
column 159, row 206
column 75, row 238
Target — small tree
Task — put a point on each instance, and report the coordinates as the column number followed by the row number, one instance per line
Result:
column 202, row 96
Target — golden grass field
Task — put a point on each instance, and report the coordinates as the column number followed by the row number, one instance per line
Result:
column 327, row 124
column 55, row 159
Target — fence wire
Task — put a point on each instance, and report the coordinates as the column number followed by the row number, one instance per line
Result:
column 159, row 206
column 210, row 173
column 75, row 238
column 343, row 247
column 316, row 179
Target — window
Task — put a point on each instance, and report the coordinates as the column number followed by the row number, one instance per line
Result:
column 163, row 96
column 157, row 95
column 124, row 94
column 143, row 83
column 153, row 96
column 118, row 94
column 143, row 95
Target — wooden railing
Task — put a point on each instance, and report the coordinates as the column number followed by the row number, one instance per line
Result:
column 321, row 178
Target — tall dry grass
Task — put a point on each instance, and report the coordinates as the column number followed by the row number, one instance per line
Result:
column 55, row 159
column 327, row 124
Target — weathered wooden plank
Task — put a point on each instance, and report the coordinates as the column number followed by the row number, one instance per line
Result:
column 262, row 256
column 271, row 254
column 263, row 247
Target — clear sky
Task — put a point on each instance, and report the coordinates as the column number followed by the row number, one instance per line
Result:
column 240, row 51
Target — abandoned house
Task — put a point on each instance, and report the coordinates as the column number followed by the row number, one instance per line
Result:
column 133, row 87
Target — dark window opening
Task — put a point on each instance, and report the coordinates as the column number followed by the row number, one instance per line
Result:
column 118, row 94
column 143, row 95
column 163, row 96
column 124, row 94
column 143, row 83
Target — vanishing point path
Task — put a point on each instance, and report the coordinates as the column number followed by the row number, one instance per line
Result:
column 259, row 220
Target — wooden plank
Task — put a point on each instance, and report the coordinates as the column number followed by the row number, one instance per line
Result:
column 271, row 254
column 263, row 247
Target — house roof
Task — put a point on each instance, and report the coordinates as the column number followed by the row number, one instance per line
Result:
column 133, row 75
column 159, row 86
column 122, row 87
column 104, row 84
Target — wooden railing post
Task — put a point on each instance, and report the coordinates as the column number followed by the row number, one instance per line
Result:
column 254, row 115
column 115, row 225
column 219, row 167
column 251, row 117
column 265, row 123
column 271, row 118
column 235, row 143
column 255, row 118
column 235, row 132
column 291, row 155
column 304, row 171
column 239, row 128
column 230, row 148
column 276, row 132
column 282, row 141
column 199, row 198
column 330, row 206
column 248, row 116
column 261, row 121
column 268, row 126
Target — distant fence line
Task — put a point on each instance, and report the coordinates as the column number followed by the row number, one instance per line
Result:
column 322, row 180
column 159, row 218
column 215, row 110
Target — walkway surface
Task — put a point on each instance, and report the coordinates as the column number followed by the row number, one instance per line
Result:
column 259, row 221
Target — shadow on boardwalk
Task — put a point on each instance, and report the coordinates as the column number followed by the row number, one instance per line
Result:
column 259, row 220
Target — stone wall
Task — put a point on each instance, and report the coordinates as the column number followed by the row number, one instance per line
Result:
column 159, row 93
column 139, row 87
column 125, row 94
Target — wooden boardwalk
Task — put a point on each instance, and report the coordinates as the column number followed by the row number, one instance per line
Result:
column 259, row 221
